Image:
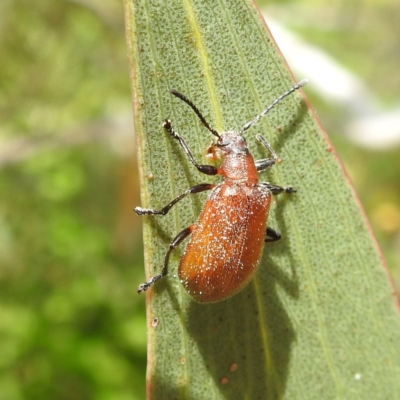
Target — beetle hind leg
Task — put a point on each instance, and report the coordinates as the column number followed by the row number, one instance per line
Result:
column 179, row 238
column 271, row 235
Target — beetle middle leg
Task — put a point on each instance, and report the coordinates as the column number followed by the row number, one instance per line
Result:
column 179, row 238
column 275, row 189
column 195, row 189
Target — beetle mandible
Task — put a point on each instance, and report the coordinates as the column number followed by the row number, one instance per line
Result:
column 227, row 239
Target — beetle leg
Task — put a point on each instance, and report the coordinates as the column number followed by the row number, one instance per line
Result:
column 262, row 165
column 195, row 189
column 179, row 238
column 275, row 189
column 205, row 169
column 265, row 163
column 271, row 235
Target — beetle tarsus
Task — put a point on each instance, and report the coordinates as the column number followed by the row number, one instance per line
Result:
column 144, row 286
column 167, row 125
column 275, row 189
column 148, row 211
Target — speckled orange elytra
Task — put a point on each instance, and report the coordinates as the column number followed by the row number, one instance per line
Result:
column 227, row 239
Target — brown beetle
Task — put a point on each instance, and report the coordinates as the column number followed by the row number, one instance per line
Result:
column 227, row 239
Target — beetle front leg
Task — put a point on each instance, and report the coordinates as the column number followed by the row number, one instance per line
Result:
column 262, row 165
column 205, row 169
column 179, row 238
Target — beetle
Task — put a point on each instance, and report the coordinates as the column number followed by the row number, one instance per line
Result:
column 227, row 240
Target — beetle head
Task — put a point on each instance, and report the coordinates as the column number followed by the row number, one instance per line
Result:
column 232, row 143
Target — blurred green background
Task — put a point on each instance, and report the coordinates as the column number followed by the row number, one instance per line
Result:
column 71, row 323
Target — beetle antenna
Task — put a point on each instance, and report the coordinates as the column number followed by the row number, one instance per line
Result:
column 196, row 110
column 272, row 105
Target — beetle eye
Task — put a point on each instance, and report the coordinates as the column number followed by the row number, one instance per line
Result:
column 223, row 143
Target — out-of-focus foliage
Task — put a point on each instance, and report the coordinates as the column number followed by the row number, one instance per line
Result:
column 71, row 323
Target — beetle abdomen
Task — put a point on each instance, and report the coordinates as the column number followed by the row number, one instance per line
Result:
column 223, row 252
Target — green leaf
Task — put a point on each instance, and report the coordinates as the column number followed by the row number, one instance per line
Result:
column 320, row 319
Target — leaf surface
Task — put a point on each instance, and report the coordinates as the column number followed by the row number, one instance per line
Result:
column 320, row 318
